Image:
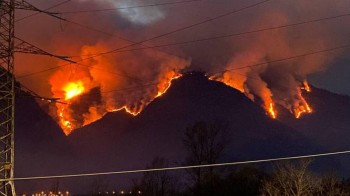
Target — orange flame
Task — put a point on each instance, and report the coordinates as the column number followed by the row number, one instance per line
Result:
column 237, row 82
column 66, row 125
column 162, row 87
column 266, row 95
column 272, row 111
column 229, row 80
column 73, row 89
column 306, row 86
column 165, row 84
column 303, row 108
column 126, row 109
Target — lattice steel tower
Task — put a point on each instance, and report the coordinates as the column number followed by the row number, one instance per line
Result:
column 7, row 85
column 7, row 96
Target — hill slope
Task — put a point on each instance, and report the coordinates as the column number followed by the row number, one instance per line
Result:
column 119, row 141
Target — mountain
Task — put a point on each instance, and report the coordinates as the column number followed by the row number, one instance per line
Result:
column 328, row 125
column 122, row 142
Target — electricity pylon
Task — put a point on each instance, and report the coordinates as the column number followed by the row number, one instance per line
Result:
column 7, row 86
column 7, row 96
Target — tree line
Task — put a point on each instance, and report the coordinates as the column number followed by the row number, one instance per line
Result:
column 206, row 143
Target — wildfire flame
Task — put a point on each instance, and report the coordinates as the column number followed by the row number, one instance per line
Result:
column 306, row 86
column 72, row 92
column 238, row 83
column 234, row 82
column 272, row 111
column 66, row 125
column 126, row 109
column 164, row 85
column 73, row 89
column 304, row 107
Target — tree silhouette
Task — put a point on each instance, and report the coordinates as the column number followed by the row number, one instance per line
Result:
column 205, row 144
column 292, row 179
column 159, row 183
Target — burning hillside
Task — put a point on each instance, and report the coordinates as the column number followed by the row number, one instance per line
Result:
column 297, row 106
column 89, row 92
column 86, row 103
column 130, row 79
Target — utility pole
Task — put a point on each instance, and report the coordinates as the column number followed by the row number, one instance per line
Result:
column 7, row 86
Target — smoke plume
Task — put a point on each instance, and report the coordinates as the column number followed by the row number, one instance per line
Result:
column 130, row 80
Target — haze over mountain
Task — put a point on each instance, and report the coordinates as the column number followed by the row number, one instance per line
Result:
column 120, row 141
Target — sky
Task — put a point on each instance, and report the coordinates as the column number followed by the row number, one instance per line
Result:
column 266, row 49
column 142, row 23
column 335, row 79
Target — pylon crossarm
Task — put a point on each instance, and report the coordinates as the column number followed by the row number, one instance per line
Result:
column 27, row 48
column 24, row 5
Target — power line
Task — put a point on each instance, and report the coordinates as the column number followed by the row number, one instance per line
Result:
column 28, row 48
column 99, row 31
column 83, row 65
column 129, row 7
column 42, row 71
column 199, row 40
column 217, row 37
column 179, row 167
column 153, row 83
column 236, row 34
column 239, row 68
column 114, row 35
column 285, row 59
column 31, row 93
column 159, row 36
column 34, row 14
column 182, row 28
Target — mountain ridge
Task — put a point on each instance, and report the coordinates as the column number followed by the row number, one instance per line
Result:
column 120, row 141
